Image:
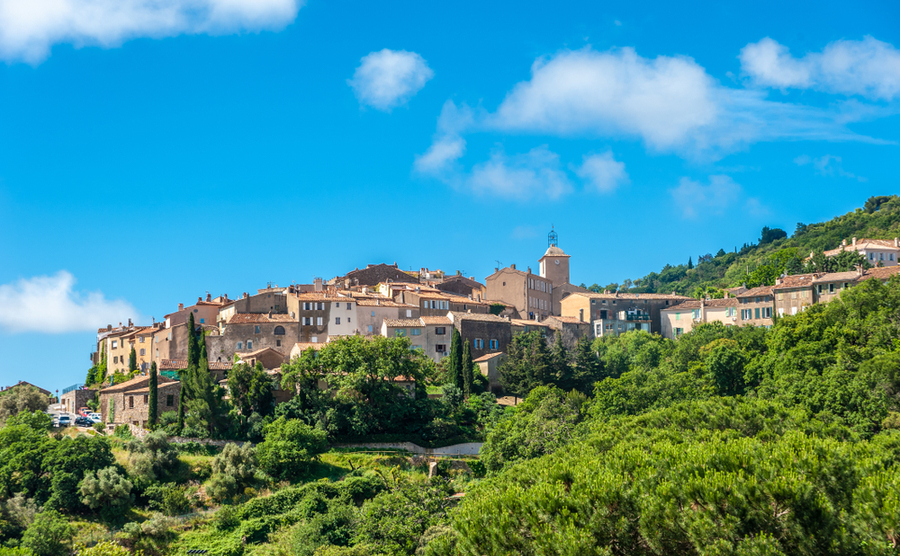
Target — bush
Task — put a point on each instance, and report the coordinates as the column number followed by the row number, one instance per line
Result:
column 107, row 548
column 152, row 535
column 233, row 470
column 289, row 447
column 153, row 459
column 108, row 491
column 48, row 535
column 169, row 498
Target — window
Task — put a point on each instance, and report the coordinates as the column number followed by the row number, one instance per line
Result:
column 141, row 340
column 373, row 313
column 202, row 321
column 315, row 340
column 767, row 313
column 756, row 312
column 115, row 358
column 679, row 332
column 337, row 320
column 440, row 330
column 415, row 332
column 348, row 306
column 115, row 344
column 819, row 289
column 170, row 400
column 143, row 352
column 238, row 345
column 880, row 256
column 130, row 402
column 440, row 348
column 891, row 257
column 277, row 343
column 696, row 313
column 493, row 344
column 830, row 288
column 409, row 313
column 146, row 397
column 307, row 321
column 479, row 343
column 871, row 256
column 400, row 332
column 249, row 344
column 279, row 331
column 370, row 329
column 677, row 316
column 318, row 321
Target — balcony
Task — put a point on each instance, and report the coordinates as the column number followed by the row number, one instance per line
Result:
column 633, row 316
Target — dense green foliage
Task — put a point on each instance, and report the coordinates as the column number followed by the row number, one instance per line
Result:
column 21, row 399
column 153, row 388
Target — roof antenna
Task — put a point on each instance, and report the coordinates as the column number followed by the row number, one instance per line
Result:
column 499, row 264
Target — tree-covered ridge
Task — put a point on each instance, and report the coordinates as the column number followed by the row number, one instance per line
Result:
column 774, row 253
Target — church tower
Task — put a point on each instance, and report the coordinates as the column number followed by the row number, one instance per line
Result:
column 555, row 263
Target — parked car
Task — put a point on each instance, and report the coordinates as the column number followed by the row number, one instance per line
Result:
column 82, row 421
column 95, row 417
column 63, row 421
column 83, row 411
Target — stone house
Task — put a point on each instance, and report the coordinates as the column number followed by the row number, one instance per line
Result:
column 204, row 311
column 414, row 329
column 884, row 252
column 266, row 300
column 466, row 287
column 129, row 402
column 22, row 384
column 883, row 274
column 489, row 365
column 830, row 285
column 372, row 311
column 252, row 331
column 794, row 293
column 430, row 335
column 435, row 303
column 484, row 333
column 616, row 313
column 375, row 274
column 322, row 314
column 77, row 398
column 756, row 305
column 529, row 293
column 681, row 319
column 269, row 357
column 570, row 328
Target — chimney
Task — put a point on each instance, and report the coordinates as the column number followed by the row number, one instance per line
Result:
column 859, row 269
column 109, row 328
column 843, row 243
column 702, row 310
column 529, row 270
column 458, row 273
column 512, row 266
column 246, row 295
column 181, row 306
column 318, row 284
column 208, row 297
column 726, row 294
column 580, row 315
column 854, row 241
column 897, row 242
column 778, row 281
column 199, row 299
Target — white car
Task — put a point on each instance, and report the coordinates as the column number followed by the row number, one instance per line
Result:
column 95, row 417
column 62, row 421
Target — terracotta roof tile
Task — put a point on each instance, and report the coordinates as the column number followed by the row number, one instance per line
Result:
column 525, row 322
column 403, row 323
column 436, row 320
column 487, row 357
column 850, row 276
column 880, row 273
column 758, row 291
column 254, row 353
column 383, row 302
column 709, row 303
column 795, row 281
column 486, row 317
column 303, row 346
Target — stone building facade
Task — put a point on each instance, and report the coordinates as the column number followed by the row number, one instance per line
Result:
column 682, row 318
column 466, row 287
column 616, row 313
column 375, row 274
column 77, row 398
column 372, row 312
column 129, row 402
column 435, row 303
column 793, row 293
column 484, row 333
column 246, row 332
column 829, row 286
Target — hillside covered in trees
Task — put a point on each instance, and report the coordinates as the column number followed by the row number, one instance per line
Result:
column 774, row 253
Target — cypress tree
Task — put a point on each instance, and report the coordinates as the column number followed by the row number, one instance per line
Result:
column 193, row 346
column 455, row 366
column 184, row 378
column 152, row 416
column 467, row 370
column 132, row 361
column 690, row 263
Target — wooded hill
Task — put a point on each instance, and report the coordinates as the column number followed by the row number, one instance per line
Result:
column 774, row 253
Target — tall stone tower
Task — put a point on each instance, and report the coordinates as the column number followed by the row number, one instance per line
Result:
column 555, row 263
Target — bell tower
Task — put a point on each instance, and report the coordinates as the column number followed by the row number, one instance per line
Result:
column 555, row 262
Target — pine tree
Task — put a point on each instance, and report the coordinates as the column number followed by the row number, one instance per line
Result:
column 153, row 387
column 467, row 370
column 132, row 361
column 455, row 366
column 587, row 368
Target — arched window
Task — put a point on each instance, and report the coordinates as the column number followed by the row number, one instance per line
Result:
column 279, row 331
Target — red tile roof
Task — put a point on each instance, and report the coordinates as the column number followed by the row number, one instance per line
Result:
column 250, row 318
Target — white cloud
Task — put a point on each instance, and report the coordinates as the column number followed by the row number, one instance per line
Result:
column 661, row 101
column 602, row 172
column 695, row 199
column 828, row 165
column 29, row 28
column 48, row 304
column 535, row 174
column 448, row 146
column 389, row 78
column 869, row 68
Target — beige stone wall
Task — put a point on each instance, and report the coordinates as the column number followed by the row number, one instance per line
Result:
column 134, row 408
column 792, row 301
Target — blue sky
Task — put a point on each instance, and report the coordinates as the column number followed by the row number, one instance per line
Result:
column 154, row 151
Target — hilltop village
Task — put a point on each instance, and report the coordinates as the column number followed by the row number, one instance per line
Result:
column 277, row 324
